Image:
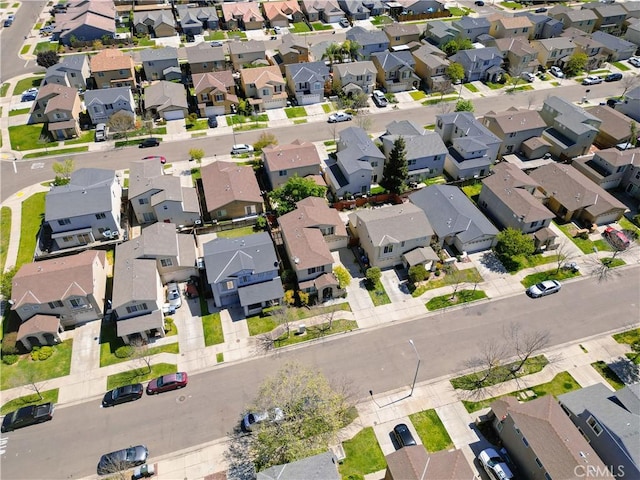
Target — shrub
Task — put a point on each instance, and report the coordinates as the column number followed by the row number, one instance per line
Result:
column 304, row 297
column 125, row 351
column 9, row 359
column 373, row 275
column 417, row 273
column 9, row 344
column 261, row 223
column 290, row 297
column 437, row 273
column 344, row 279
column 41, row 353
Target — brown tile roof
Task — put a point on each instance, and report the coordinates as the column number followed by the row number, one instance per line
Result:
column 39, row 324
column 107, row 60
column 619, row 158
column 216, row 80
column 614, row 123
column 515, row 121
column 414, row 463
column 294, row 155
column 262, row 76
column 251, row 46
column 227, row 182
column 55, row 279
column 511, row 22
column 275, row 9
column 401, row 29
column 248, row 12
column 551, row 435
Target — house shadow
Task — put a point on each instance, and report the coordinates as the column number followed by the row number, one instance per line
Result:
column 236, row 313
column 627, row 371
column 491, row 262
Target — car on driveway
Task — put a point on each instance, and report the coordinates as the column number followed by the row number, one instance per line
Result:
column 165, row 383
column 613, row 77
column 592, row 80
column 635, row 61
column 101, row 132
column 556, row 71
column 114, row 462
column 241, row 148
column 47, row 29
column 29, row 95
column 212, row 122
column 173, row 295
column 379, row 99
column 344, row 23
column 149, row 142
column 528, row 76
column 119, row 395
column 403, row 435
column 543, row 288
column 494, row 465
column 340, row 117
column 250, row 420
column 616, row 238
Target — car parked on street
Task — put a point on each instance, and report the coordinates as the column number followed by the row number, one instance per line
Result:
column 379, row 99
column 165, row 383
column 173, row 295
column 403, row 435
column 250, row 420
column 635, row 61
column 114, row 462
column 239, row 148
column 125, row 394
column 544, row 288
column 9, row 20
column 556, row 72
column 149, row 142
column 592, row 80
column 613, row 77
column 479, row 3
column 494, row 465
column 162, row 159
column 25, row 416
column 540, row 10
column 340, row 117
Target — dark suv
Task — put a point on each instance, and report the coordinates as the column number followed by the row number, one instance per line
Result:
column 403, row 435
column 149, row 142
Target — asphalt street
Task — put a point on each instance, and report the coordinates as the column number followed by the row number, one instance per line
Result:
column 381, row 360
column 11, row 65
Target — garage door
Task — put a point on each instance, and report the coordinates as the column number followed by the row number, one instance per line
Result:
column 173, row 115
column 213, row 111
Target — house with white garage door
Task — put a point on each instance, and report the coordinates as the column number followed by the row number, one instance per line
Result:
column 167, row 100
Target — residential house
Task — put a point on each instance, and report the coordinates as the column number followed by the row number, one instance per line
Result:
column 510, row 27
column 167, row 100
column 584, row 43
column 480, row 64
column 518, row 54
column 246, row 53
column 370, row 41
column 630, row 104
column 58, row 293
column 203, row 58
column 571, row 129
column 310, row 233
column 59, row 107
column 72, row 71
column 457, row 223
column 292, row 50
column 395, row 71
column 387, row 234
column 156, row 23
column 159, row 197
column 112, row 68
column 280, row 13
column 356, row 77
column 244, row 271
column 615, row 128
column 632, row 8
column 264, row 87
column 414, row 463
column 615, row 48
column 508, row 196
column 215, row 93
column 420, row 6
column 470, row 28
column 194, row 20
column 610, row 17
column 473, row 148
column 584, row 19
column 439, row 33
column 327, row 11
column 572, row 196
column 554, row 51
column 401, row 34
column 431, row 69
column 230, row 191
column 307, row 81
column 424, row 150
column 513, row 127
column 608, row 420
column 542, row 441
column 632, row 34
column 160, row 63
column 103, row 103
column 282, row 162
column 85, row 210
column 543, row 25
column 631, row 180
column 358, row 163
column 354, row 9
column 608, row 168
column 85, row 21
column 242, row 15
column 323, row 466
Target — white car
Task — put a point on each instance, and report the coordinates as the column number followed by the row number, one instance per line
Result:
column 379, row 99
column 494, row 464
column 635, row 61
column 173, row 295
column 101, row 132
column 556, row 72
column 592, row 80
column 543, row 288
column 252, row 419
column 241, row 148
column 340, row 117
column 528, row 76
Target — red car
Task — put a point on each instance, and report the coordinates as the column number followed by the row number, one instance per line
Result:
column 173, row 381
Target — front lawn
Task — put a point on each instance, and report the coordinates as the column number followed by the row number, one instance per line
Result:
column 27, row 137
column 417, row 95
column 499, row 373
column 299, row 27
column 110, row 342
column 4, row 89
column 471, row 87
column 584, row 244
column 318, row 26
column 26, row 370
column 19, row 111
column 85, row 137
column 317, row 331
column 215, row 35
column 364, row 455
column 265, row 323
column 620, row 66
column 295, row 112
column 431, row 430
column 327, row 108
column 140, row 375
column 5, row 235
column 26, row 84
column 236, row 232
column 378, row 294
column 33, row 399
column 211, row 325
column 381, row 20
column 242, row 119
column 468, row 275
column 608, row 374
column 554, row 274
column 529, row 261
column 462, row 296
column 31, row 218
column 629, row 337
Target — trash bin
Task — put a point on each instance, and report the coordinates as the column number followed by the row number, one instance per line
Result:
column 302, row 328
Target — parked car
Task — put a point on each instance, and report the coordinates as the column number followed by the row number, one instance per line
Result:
column 543, row 288
column 592, row 80
column 556, row 71
column 101, row 132
column 616, row 238
column 173, row 295
column 528, row 76
column 613, row 77
column 149, row 142
column 162, row 159
column 344, row 23
column 277, row 30
column 124, row 459
column 212, row 121
column 540, row 10
column 494, row 465
column 47, row 29
column 479, row 3
column 340, row 117
column 216, row 44
column 29, row 96
column 25, row 416
column 241, row 148
column 379, row 99
column 172, row 381
column 9, row 20
column 191, row 290
column 403, row 435
column 635, row 61
column 119, row 395
column 612, row 102
column 250, row 420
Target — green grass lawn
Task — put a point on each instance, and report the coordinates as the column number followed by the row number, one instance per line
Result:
column 532, row 365
column 462, row 296
column 19, row 111
column 236, row 232
column 459, row 12
column 612, row 262
column 512, row 5
column 620, row 66
column 211, row 325
column 265, row 323
column 85, row 137
column 300, row 121
column 215, row 35
column 471, row 87
column 109, row 342
column 295, row 112
column 25, row 49
column 33, row 399
column 627, row 225
column 299, row 27
column 431, row 431
column 27, row 370
column 364, row 455
column 533, row 261
column 5, row 235
column 378, row 295
column 472, row 191
column 554, row 274
column 242, row 119
column 31, row 218
column 381, row 20
column 199, row 124
column 238, row 35
column 494, row 86
column 585, row 245
column 4, row 89
column 608, row 374
column 468, row 275
column 629, row 337
column 27, row 137
column 436, row 101
column 61, row 151
column 327, row 108
column 417, row 95
column 317, row 331
column 140, row 375
column 318, row 26
column 259, row 324
column 44, row 46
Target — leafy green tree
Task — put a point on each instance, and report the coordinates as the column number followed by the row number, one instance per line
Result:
column 63, row 171
column 453, row 46
column 342, row 274
column 351, row 49
column 6, row 282
column 417, row 273
column 576, row 64
column 333, row 53
column 284, row 198
column 512, row 243
column 244, row 107
column 396, row 170
column 196, row 153
column 47, row 58
column 373, row 274
column 455, row 71
column 464, row 105
column 633, row 128
column 265, row 140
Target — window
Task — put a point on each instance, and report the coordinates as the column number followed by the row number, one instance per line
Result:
column 136, row 308
column 219, row 97
column 229, row 285
column 166, row 262
column 67, row 239
column 222, row 213
column 595, row 426
column 499, row 426
column 374, row 164
column 282, row 173
column 100, row 216
column 55, row 304
column 388, row 249
column 412, row 162
column 311, row 270
column 64, row 221
column 327, row 231
column 101, row 74
column 538, row 462
column 547, row 476
column 77, row 303
column 143, row 201
column 524, row 440
column 148, row 217
column 250, row 210
column 534, row 224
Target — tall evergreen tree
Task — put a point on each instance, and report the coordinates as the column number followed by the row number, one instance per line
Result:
column 396, row 170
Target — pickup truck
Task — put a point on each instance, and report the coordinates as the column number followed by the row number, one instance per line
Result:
column 26, row 416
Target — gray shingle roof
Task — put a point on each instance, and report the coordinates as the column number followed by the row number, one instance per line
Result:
column 318, row 467
column 391, row 60
column 133, row 278
column 367, row 37
column 307, row 72
column 612, row 42
column 107, row 95
column 261, row 292
column 155, row 54
column 396, row 223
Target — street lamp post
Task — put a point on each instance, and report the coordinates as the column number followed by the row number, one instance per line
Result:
column 415, row 377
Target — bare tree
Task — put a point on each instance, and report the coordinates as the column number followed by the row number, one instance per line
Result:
column 525, row 345
column 29, row 380
column 629, row 82
column 364, row 122
column 492, row 354
column 455, row 278
column 442, row 88
column 121, row 122
column 562, row 255
column 141, row 353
